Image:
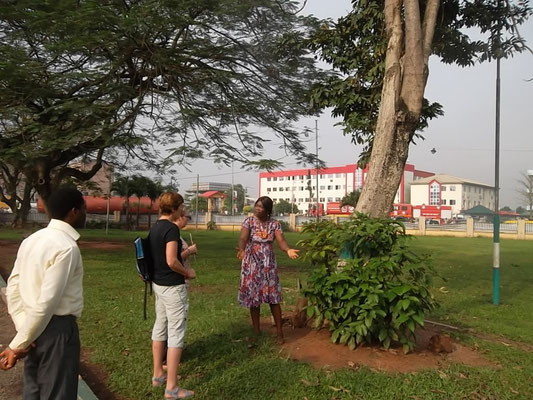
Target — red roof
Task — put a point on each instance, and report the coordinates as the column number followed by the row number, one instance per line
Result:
column 212, row 193
column 508, row 213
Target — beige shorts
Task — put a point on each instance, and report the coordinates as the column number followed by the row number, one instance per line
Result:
column 171, row 309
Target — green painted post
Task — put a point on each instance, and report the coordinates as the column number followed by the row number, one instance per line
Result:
column 496, row 261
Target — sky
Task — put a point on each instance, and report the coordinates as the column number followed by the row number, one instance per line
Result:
column 464, row 138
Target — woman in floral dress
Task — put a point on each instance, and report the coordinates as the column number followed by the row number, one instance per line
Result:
column 259, row 274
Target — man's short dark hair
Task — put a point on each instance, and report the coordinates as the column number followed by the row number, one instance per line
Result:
column 62, row 200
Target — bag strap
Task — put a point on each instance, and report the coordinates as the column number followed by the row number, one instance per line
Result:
column 146, row 284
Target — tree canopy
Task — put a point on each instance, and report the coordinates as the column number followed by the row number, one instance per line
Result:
column 351, row 199
column 196, row 78
column 238, row 195
column 284, row 207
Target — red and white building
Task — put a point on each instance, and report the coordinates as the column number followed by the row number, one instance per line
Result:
column 333, row 184
column 446, row 190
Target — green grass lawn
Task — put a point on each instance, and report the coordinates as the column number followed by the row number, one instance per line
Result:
column 218, row 364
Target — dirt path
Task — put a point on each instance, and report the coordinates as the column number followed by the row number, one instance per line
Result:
column 10, row 381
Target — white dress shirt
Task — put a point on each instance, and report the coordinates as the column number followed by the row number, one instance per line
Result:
column 46, row 280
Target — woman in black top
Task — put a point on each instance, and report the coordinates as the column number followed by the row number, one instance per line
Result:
column 170, row 295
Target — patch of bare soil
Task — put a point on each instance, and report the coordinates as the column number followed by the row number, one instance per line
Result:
column 96, row 378
column 103, row 245
column 11, row 380
column 315, row 347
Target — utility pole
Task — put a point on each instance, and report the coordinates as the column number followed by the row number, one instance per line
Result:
column 197, row 190
column 110, row 179
column 496, row 220
column 316, row 170
column 232, row 206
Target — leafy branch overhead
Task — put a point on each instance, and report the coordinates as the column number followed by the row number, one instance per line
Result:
column 356, row 46
column 162, row 81
column 189, row 78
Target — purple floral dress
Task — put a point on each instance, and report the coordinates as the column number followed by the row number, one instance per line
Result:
column 259, row 273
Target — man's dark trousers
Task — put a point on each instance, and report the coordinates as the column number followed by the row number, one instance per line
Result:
column 51, row 367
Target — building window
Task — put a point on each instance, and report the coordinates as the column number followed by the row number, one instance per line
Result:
column 330, row 187
column 268, row 190
column 434, row 194
column 322, row 199
column 281, row 189
column 322, row 176
column 338, row 175
column 443, row 188
column 301, row 188
column 443, row 202
column 275, row 179
column 300, row 200
column 274, row 189
column 337, row 187
column 337, row 199
column 287, row 189
column 330, row 199
column 452, row 188
column 452, row 202
column 281, row 178
column 322, row 187
column 358, row 178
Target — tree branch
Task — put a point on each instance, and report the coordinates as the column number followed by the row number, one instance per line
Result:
column 428, row 27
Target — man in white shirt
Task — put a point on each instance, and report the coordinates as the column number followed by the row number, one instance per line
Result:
column 45, row 296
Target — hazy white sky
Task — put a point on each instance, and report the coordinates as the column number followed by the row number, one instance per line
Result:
column 463, row 138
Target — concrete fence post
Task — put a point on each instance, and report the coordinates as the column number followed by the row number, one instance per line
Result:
column 292, row 222
column 521, row 229
column 422, row 226
column 469, row 227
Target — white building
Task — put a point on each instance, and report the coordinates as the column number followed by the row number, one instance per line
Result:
column 441, row 189
column 333, row 184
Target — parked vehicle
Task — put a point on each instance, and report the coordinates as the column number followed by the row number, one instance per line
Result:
column 440, row 213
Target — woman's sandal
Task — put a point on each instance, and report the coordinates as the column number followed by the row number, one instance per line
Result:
column 174, row 394
column 156, row 382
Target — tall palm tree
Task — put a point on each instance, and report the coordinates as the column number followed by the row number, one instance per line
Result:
column 123, row 186
column 139, row 184
column 153, row 191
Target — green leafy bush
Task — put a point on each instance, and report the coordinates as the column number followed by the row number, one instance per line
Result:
column 378, row 291
column 211, row 225
column 285, row 226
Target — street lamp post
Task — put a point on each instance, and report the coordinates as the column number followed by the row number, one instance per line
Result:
column 529, row 175
column 496, row 220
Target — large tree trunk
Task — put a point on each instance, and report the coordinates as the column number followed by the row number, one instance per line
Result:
column 21, row 212
column 401, row 101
